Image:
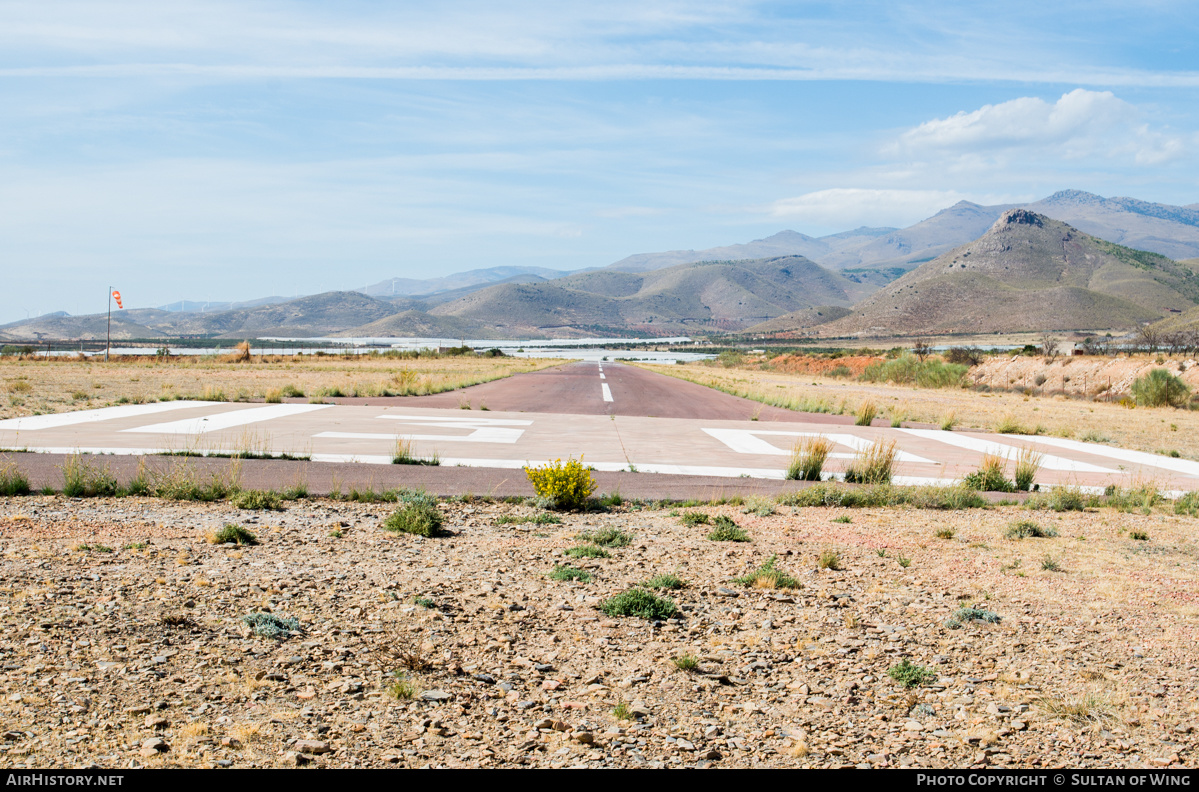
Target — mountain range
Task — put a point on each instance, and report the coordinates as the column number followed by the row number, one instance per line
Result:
column 961, row 268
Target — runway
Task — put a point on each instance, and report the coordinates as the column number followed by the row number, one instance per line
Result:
column 614, row 417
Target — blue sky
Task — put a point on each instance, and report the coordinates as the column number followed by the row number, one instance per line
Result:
column 228, row 150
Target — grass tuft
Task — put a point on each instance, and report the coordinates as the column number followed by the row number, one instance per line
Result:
column 725, row 530
column 767, row 577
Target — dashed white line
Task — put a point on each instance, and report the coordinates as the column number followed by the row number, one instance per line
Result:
column 607, row 392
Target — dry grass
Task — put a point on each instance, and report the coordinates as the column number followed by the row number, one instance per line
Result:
column 1142, row 429
column 37, row 387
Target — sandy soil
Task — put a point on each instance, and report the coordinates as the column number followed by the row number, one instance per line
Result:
column 123, row 643
column 34, row 387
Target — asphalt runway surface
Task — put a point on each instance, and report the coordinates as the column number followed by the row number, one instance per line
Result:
column 641, row 431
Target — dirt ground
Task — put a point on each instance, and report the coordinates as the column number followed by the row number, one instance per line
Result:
column 35, row 387
column 123, row 640
column 1056, row 406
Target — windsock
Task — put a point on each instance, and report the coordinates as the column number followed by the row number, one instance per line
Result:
column 116, row 295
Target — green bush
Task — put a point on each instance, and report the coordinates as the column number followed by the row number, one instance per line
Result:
column 258, row 500
column 568, row 484
column 909, row 370
column 608, row 537
column 669, row 582
column 971, row 614
column 233, row 534
column 587, row 551
column 417, row 517
column 1188, row 504
column 927, row 497
column 910, row 675
column 570, row 573
column 725, row 530
column 268, row 625
column 639, row 602
column 1028, row 529
column 1160, row 388
column 990, row 476
column 1058, row 499
column 692, row 518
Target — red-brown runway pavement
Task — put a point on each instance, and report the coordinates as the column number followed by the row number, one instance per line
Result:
column 615, row 417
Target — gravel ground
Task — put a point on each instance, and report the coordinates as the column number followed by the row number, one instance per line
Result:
column 137, row 655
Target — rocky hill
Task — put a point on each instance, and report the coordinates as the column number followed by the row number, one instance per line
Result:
column 1028, row 272
column 726, row 295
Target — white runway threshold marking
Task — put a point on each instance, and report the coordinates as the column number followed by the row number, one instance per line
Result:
column 746, row 441
column 607, row 392
column 227, row 420
column 1048, row 461
column 486, row 430
column 34, row 422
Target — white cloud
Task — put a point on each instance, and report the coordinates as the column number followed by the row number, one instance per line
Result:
column 1080, row 124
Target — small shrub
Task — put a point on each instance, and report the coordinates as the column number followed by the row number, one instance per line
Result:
column 767, row 577
column 1049, row 564
column 1160, row 388
column 1140, row 536
column 587, row 551
column 1028, row 463
column 948, row 421
column 1058, row 499
column 622, row 712
column 268, row 625
column 844, row 518
column 808, row 457
column 258, row 500
column 13, row 482
column 1025, row 529
column 417, row 518
column 686, row 663
column 866, row 413
column 829, row 559
column 990, row 476
column 608, row 537
column 233, row 534
column 693, row 518
column 904, row 562
column 725, row 530
column 759, row 505
column 1188, row 504
column 962, row 615
column 83, row 479
column 273, row 396
column 873, row 465
column 910, row 675
column 425, row 603
column 570, row 573
column 641, row 603
column 402, row 689
column 569, row 484
column 665, row 582
column 1009, row 425
column 405, row 454
column 945, row 533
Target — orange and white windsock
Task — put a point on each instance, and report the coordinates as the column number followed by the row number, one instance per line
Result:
column 116, row 295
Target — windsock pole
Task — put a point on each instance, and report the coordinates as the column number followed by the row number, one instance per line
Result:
column 108, row 338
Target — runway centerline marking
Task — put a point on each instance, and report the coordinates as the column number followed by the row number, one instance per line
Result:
column 482, row 434
column 607, row 392
column 227, row 420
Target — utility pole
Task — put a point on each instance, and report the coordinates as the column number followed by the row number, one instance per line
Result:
column 108, row 337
